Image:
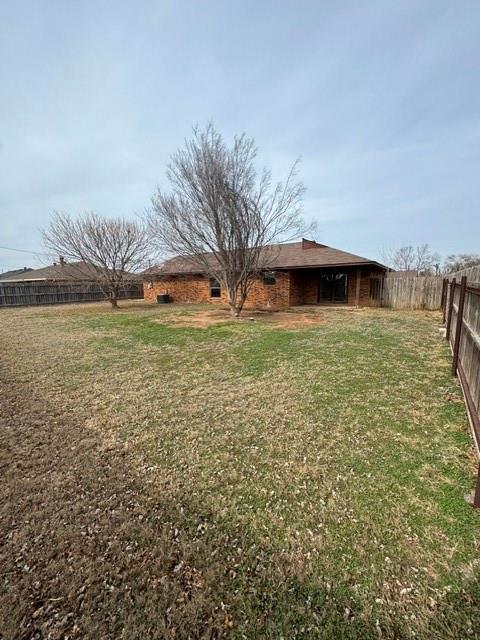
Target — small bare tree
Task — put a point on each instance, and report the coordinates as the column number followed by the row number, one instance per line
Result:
column 419, row 259
column 221, row 214
column 111, row 249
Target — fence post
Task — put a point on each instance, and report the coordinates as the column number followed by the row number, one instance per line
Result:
column 476, row 493
column 444, row 298
column 450, row 307
column 458, row 328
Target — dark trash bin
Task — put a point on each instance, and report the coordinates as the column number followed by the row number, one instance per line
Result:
column 163, row 298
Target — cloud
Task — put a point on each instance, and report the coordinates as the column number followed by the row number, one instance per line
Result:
column 381, row 101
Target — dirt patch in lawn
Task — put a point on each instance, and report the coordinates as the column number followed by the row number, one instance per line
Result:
column 282, row 319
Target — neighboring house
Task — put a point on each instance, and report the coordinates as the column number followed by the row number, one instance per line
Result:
column 59, row 283
column 298, row 273
column 15, row 272
column 60, row 272
column 57, row 272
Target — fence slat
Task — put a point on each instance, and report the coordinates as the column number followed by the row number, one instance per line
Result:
column 18, row 294
column 402, row 291
column 444, row 298
column 458, row 329
column 463, row 322
column 472, row 273
column 450, row 307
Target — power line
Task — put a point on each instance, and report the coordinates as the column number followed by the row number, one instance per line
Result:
column 33, row 253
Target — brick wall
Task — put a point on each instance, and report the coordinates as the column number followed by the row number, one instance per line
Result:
column 270, row 296
column 291, row 289
column 196, row 288
column 296, row 289
column 191, row 288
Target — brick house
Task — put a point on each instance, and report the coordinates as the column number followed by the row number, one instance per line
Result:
column 298, row 273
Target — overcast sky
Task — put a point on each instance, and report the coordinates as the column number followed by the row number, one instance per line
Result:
column 380, row 99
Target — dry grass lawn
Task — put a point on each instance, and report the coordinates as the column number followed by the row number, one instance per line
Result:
column 167, row 472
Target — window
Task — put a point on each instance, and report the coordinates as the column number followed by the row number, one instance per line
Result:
column 269, row 277
column 215, row 289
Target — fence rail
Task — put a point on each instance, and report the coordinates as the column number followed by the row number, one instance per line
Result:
column 20, row 294
column 461, row 313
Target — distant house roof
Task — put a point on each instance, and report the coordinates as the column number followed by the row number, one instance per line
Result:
column 58, row 272
column 294, row 255
column 14, row 272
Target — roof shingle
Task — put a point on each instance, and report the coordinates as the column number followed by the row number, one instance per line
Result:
column 294, row 255
column 68, row 271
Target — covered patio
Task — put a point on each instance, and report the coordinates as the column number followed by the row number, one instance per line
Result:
column 347, row 285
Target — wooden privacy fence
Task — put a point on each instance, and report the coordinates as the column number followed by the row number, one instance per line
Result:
column 402, row 291
column 461, row 312
column 19, row 294
column 472, row 273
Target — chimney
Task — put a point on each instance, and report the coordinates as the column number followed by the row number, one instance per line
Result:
column 309, row 244
column 62, row 260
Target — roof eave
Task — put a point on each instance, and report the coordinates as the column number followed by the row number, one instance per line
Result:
column 275, row 268
column 327, row 266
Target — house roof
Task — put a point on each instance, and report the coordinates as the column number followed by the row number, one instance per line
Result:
column 14, row 272
column 58, row 272
column 294, row 255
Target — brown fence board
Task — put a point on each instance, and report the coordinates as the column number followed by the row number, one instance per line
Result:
column 461, row 306
column 412, row 292
column 472, row 273
column 18, row 294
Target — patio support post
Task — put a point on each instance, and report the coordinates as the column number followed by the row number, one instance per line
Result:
column 357, row 292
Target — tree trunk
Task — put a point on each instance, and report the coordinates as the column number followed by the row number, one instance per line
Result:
column 236, row 302
column 114, row 303
column 232, row 301
column 240, row 303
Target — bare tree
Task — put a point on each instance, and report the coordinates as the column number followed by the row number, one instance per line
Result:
column 419, row 259
column 221, row 214
column 110, row 249
column 459, row 261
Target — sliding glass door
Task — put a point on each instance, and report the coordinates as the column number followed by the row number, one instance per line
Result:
column 332, row 287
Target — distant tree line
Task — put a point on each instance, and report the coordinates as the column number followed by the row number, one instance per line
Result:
column 421, row 260
column 459, row 261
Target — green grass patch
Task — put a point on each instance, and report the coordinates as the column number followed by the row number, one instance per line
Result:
column 315, row 476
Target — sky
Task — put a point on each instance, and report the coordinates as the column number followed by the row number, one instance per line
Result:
column 379, row 99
